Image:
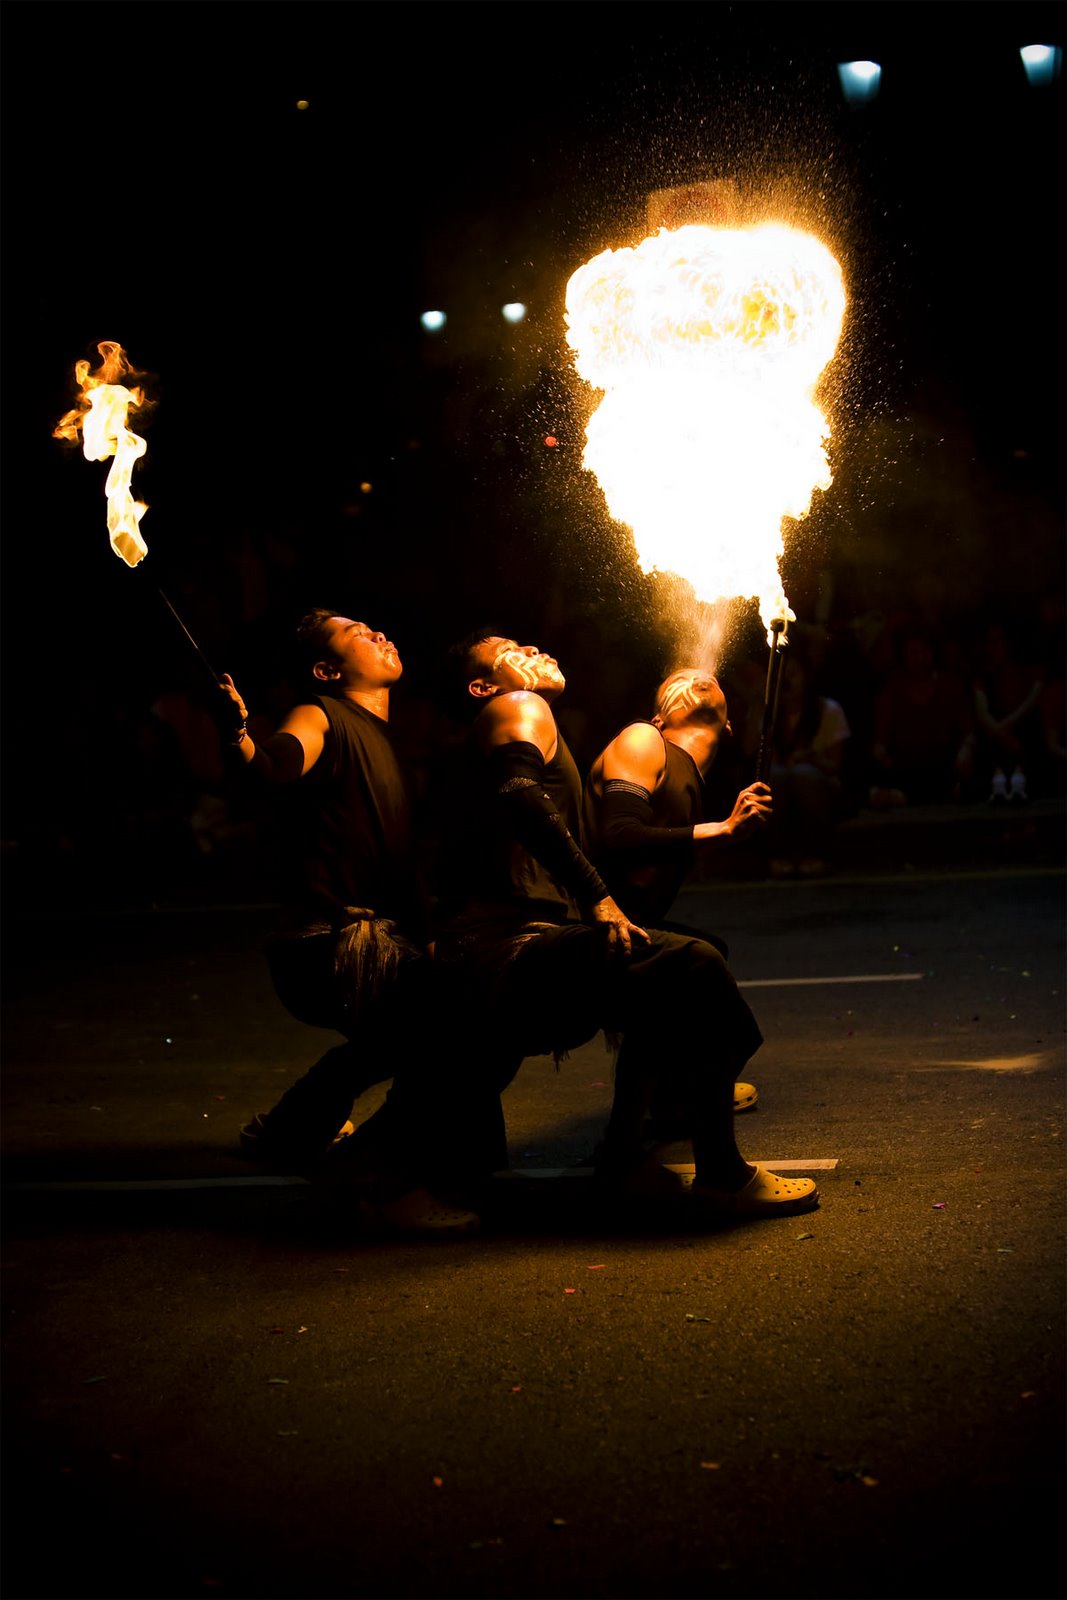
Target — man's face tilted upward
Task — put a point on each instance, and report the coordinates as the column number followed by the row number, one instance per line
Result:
column 503, row 665
column 690, row 696
column 360, row 657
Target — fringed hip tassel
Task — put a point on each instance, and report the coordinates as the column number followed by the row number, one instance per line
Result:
column 370, row 953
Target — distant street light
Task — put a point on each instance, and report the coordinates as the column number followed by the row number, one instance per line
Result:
column 1042, row 63
column 514, row 311
column 859, row 81
column 433, row 321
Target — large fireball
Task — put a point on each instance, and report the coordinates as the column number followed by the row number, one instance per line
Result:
column 709, row 344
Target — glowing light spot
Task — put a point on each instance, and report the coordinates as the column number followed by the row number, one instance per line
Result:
column 514, row 311
column 859, row 81
column 302, row 105
column 433, row 321
column 551, row 441
column 1041, row 62
column 365, row 488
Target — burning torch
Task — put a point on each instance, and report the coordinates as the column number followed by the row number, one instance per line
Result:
column 99, row 419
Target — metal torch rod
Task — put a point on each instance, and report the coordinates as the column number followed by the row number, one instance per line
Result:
column 201, row 657
column 770, row 700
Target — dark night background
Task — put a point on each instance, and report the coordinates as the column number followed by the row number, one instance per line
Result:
column 266, row 267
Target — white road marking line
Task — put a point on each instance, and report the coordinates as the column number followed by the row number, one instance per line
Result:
column 123, row 1186
column 797, row 983
column 686, row 1168
column 816, row 1164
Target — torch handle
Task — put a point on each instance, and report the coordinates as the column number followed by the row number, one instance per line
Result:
column 770, row 707
column 201, row 657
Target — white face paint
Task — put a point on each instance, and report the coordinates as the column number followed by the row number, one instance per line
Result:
column 533, row 672
column 685, row 692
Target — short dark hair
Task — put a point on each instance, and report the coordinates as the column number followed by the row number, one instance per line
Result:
column 459, row 669
column 311, row 639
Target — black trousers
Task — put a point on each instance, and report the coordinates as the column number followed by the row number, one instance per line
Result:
column 686, row 1029
column 441, row 1120
column 453, row 1033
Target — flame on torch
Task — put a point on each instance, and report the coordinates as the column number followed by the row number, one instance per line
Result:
column 708, row 343
column 99, row 418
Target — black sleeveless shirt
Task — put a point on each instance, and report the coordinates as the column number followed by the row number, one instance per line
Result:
column 647, row 887
column 485, row 871
column 347, row 828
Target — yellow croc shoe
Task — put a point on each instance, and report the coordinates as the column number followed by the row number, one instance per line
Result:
column 745, row 1096
column 764, row 1195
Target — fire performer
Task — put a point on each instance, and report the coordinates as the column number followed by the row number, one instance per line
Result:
column 643, row 806
column 350, row 954
column 547, row 958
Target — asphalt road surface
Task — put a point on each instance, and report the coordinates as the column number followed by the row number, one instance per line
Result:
column 219, row 1383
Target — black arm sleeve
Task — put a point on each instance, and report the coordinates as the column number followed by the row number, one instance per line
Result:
column 518, row 771
column 627, row 830
column 282, row 759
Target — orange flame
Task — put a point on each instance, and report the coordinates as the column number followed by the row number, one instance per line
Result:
column 99, row 417
column 708, row 343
